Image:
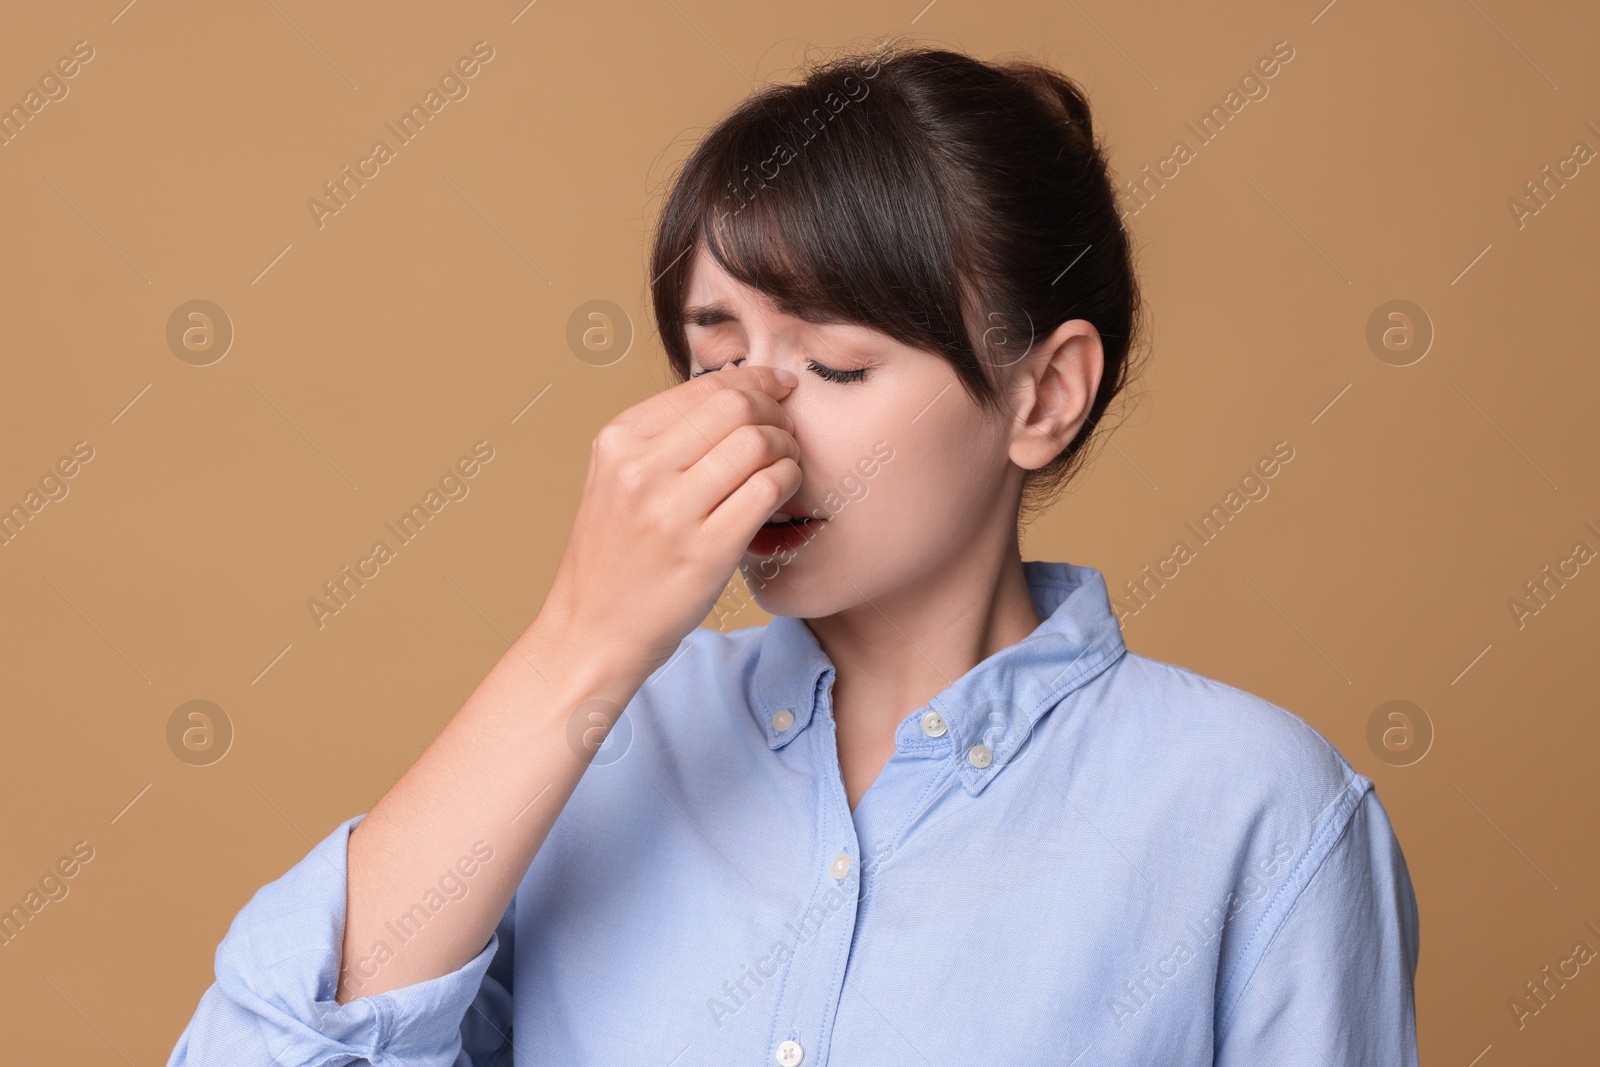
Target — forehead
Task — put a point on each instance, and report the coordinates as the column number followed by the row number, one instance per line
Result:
column 714, row 297
column 709, row 284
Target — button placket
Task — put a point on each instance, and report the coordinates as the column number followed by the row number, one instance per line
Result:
column 823, row 939
column 823, row 934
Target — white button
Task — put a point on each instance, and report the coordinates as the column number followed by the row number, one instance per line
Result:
column 790, row 1053
column 933, row 724
column 980, row 755
column 840, row 866
column 782, row 720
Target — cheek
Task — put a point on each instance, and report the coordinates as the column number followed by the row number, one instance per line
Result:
column 944, row 456
column 940, row 476
column 932, row 472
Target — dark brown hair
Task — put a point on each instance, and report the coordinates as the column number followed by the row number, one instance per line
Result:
column 961, row 207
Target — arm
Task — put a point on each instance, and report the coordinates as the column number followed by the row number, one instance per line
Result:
column 491, row 784
column 380, row 943
column 272, row 1001
column 1334, row 985
column 676, row 487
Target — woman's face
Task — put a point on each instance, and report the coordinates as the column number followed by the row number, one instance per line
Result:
column 900, row 467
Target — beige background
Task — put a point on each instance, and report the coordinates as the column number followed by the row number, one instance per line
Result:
column 428, row 313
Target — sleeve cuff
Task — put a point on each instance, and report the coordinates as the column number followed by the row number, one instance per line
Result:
column 278, row 967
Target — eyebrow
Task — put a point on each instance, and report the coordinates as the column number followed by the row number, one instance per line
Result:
column 718, row 312
column 708, row 314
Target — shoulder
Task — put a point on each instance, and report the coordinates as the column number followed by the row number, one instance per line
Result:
column 1218, row 785
column 1229, row 803
column 1193, row 732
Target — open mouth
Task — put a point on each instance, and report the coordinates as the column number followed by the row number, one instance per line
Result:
column 784, row 535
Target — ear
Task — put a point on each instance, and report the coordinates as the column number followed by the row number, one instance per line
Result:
column 1053, row 387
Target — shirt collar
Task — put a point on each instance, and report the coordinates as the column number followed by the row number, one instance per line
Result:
column 995, row 704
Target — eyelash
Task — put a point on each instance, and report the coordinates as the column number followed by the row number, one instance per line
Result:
column 826, row 373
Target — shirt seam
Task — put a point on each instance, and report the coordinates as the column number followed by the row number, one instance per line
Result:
column 1322, row 846
column 944, row 779
column 820, row 829
column 841, row 955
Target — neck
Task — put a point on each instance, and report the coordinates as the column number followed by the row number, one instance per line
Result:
column 894, row 652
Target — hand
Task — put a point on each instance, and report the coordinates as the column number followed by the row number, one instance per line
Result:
column 677, row 487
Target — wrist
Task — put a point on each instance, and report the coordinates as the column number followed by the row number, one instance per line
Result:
column 576, row 662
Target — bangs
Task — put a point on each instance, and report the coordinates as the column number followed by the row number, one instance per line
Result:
column 822, row 197
column 960, row 208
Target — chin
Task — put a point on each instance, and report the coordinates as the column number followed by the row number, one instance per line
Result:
column 798, row 588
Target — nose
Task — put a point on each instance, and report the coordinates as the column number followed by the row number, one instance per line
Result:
column 772, row 339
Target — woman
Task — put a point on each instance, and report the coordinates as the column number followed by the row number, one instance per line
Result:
column 934, row 812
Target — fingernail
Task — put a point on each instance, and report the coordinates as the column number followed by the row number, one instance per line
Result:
column 785, row 376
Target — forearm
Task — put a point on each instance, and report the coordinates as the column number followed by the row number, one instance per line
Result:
column 665, row 517
column 491, row 784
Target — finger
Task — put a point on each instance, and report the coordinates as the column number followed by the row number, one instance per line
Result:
column 747, row 507
column 724, row 469
column 650, row 417
column 686, row 440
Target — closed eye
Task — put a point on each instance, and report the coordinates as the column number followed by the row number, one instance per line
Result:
column 708, row 370
column 821, row 371
column 832, row 375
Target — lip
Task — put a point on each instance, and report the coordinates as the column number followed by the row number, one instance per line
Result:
column 771, row 538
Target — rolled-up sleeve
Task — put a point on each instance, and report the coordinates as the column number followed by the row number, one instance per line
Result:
column 1334, row 984
column 278, row 967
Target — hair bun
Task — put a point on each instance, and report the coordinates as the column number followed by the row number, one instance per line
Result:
column 1061, row 95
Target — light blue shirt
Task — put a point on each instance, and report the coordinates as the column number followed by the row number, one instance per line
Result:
column 1075, row 855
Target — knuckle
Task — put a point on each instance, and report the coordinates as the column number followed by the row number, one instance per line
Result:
column 748, row 434
column 752, row 441
column 768, row 484
column 610, row 440
column 736, row 403
column 632, row 473
column 779, row 479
